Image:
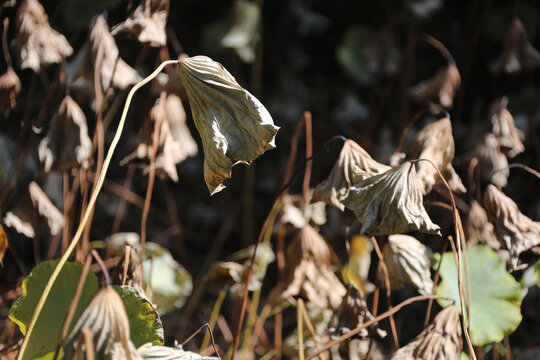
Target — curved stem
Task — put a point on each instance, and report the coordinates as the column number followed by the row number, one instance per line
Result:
column 89, row 208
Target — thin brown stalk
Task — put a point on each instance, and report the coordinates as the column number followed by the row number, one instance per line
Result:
column 126, row 264
column 310, row 327
column 440, row 46
column 465, row 307
column 383, row 316
column 521, row 166
column 73, row 305
column 151, row 177
column 211, row 337
column 300, row 329
column 7, row 56
column 407, row 126
column 278, row 333
column 309, row 154
column 102, row 266
column 388, row 289
column 507, row 349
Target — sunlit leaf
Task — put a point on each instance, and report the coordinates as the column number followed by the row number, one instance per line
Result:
column 50, row 321
column 495, row 294
column 244, row 34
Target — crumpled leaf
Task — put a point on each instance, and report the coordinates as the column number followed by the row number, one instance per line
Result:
column 100, row 48
column 440, row 340
column 408, row 262
column 146, row 23
column 390, row 202
column 307, row 273
column 106, row 322
column 314, row 213
column 175, row 143
column 234, row 126
column 131, row 265
column 67, row 144
column 356, row 270
column 490, row 158
column 244, row 34
column 495, row 295
column 352, row 313
column 39, row 45
column 478, row 229
column 508, row 136
column 436, row 143
column 442, row 86
column 515, row 231
column 335, row 188
column 517, row 52
column 49, row 323
column 10, row 86
column 46, row 208
column 156, row 352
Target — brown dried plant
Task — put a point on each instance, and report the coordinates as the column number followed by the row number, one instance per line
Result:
column 478, row 229
column 490, row 158
column 504, row 129
column 10, row 86
column 516, row 232
column 442, row 86
column 146, row 23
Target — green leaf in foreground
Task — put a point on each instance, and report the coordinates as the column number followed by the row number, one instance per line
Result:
column 50, row 321
column 495, row 294
column 144, row 321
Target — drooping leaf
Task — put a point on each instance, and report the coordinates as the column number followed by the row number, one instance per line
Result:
column 495, row 294
column 390, row 202
column 234, row 126
column 490, row 158
column 478, row 229
column 39, row 45
column 50, row 321
column 341, row 178
column 442, row 87
column 516, row 232
column 146, row 23
column 508, row 136
column 408, row 262
column 104, row 325
column 436, row 143
column 440, row 340
column 244, row 34
column 144, row 322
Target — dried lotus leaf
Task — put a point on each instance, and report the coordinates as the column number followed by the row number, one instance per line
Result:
column 390, row 202
column 436, row 143
column 307, row 273
column 442, row 86
column 478, row 229
column 106, row 321
column 157, row 352
column 146, row 23
column 10, row 86
column 341, row 178
column 67, row 144
column 100, row 48
column 234, row 126
column 517, row 52
column 516, row 232
column 408, row 262
column 244, row 34
column 440, row 340
column 39, row 45
column 492, row 163
column 297, row 214
column 505, row 130
column 131, row 265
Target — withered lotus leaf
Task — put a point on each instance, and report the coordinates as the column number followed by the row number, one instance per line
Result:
column 175, row 143
column 100, row 49
column 492, row 163
column 307, row 273
column 158, row 352
column 341, row 178
column 130, row 263
column 505, row 130
column 517, row 52
column 478, row 228
column 244, row 34
column 39, row 45
column 67, row 144
column 390, row 203
column 440, row 340
column 106, row 321
column 298, row 214
column 442, row 86
column 436, row 143
column 516, row 232
column 408, row 262
column 46, row 208
column 10, row 86
column 146, row 23
column 234, row 126
column 352, row 313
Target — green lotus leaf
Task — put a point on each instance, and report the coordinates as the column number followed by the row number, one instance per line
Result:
column 495, row 294
column 144, row 322
column 50, row 321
